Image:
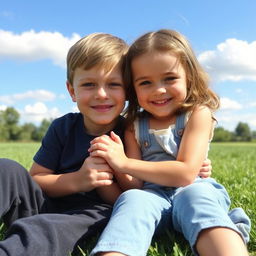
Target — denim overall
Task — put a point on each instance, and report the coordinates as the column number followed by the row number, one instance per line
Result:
column 137, row 214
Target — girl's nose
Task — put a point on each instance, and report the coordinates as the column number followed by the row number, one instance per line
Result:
column 160, row 88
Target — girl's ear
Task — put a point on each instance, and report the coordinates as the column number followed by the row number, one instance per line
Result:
column 71, row 91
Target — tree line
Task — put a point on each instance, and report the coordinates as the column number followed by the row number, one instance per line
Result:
column 241, row 133
column 11, row 130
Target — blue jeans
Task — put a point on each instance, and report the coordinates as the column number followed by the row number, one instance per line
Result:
column 137, row 214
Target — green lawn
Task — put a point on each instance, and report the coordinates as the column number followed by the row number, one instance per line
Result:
column 234, row 165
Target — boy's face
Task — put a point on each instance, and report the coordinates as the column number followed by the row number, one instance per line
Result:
column 100, row 97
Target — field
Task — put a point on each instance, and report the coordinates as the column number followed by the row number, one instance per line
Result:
column 234, row 165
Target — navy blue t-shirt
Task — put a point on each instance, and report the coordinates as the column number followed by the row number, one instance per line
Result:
column 65, row 147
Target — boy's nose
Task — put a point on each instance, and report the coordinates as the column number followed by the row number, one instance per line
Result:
column 101, row 92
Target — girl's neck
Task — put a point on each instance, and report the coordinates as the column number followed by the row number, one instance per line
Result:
column 161, row 123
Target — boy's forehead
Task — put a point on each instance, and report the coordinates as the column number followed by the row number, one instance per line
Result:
column 108, row 68
column 98, row 71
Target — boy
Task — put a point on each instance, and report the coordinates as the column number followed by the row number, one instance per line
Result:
column 59, row 202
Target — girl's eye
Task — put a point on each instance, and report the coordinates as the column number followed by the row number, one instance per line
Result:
column 146, row 82
column 170, row 78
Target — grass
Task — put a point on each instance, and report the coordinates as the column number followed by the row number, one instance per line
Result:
column 234, row 166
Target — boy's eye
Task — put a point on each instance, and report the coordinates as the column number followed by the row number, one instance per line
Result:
column 115, row 84
column 88, row 85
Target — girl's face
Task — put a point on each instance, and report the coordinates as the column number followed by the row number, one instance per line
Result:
column 160, row 83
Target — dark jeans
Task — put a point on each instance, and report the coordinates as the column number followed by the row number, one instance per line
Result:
column 37, row 226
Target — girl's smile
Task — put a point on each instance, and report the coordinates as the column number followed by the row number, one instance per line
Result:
column 161, row 102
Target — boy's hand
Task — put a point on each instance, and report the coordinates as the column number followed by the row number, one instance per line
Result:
column 95, row 172
column 206, row 169
column 111, row 149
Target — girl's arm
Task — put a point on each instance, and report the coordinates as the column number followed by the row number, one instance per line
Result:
column 125, row 181
column 109, row 194
column 132, row 150
column 183, row 171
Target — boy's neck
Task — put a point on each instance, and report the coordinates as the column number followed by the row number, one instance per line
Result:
column 98, row 129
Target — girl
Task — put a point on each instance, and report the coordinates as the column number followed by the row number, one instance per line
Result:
column 171, row 135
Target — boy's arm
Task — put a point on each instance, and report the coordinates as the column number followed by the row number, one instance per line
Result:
column 93, row 173
column 206, row 169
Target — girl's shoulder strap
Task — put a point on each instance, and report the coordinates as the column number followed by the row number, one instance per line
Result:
column 142, row 135
column 181, row 121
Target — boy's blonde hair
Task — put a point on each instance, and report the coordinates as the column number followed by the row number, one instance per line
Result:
column 164, row 40
column 96, row 49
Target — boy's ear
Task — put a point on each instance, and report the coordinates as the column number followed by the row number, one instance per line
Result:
column 71, row 91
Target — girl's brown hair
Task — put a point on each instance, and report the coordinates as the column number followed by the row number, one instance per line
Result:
column 198, row 91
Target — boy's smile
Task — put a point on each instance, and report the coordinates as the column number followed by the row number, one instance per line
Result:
column 100, row 97
column 102, row 108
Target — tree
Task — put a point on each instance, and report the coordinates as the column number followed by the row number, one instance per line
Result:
column 243, row 132
column 10, row 119
column 254, row 135
column 221, row 135
column 11, row 116
column 27, row 130
column 39, row 133
column 4, row 134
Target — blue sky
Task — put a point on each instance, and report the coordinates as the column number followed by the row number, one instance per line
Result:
column 36, row 35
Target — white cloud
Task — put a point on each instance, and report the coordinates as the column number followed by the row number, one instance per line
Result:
column 37, row 112
column 231, row 113
column 42, row 95
column 230, row 119
column 3, row 107
column 228, row 104
column 32, row 46
column 37, row 108
column 232, row 60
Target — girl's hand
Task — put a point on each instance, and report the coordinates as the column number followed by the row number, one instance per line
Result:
column 206, row 169
column 111, row 149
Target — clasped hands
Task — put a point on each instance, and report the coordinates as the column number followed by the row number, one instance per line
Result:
column 107, row 156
